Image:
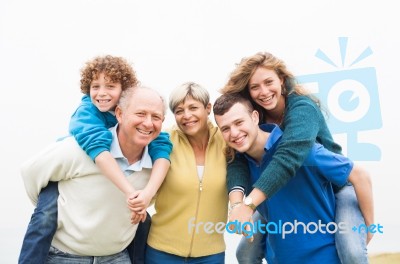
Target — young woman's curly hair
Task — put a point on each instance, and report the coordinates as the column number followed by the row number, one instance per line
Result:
column 239, row 79
column 117, row 69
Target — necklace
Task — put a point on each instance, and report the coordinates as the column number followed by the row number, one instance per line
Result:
column 283, row 113
column 281, row 118
column 277, row 121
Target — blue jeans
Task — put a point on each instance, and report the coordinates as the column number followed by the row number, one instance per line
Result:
column 43, row 225
column 58, row 257
column 41, row 228
column 137, row 249
column 154, row 256
column 351, row 246
column 252, row 252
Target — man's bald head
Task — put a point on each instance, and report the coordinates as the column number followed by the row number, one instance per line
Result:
column 129, row 96
column 140, row 114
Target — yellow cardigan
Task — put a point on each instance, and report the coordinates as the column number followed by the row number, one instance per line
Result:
column 184, row 204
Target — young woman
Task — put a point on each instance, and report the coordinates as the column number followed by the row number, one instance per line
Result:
column 272, row 89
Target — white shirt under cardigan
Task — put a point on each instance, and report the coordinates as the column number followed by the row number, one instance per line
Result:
column 93, row 218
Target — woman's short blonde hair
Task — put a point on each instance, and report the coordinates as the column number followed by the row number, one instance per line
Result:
column 188, row 89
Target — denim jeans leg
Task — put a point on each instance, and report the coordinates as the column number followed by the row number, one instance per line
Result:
column 137, row 248
column 58, row 257
column 351, row 245
column 41, row 228
column 155, row 256
column 252, row 252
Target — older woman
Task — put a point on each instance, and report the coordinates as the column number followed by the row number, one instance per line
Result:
column 191, row 205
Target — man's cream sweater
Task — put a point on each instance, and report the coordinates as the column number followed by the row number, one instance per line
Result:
column 93, row 218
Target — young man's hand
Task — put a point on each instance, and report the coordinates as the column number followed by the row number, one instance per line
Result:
column 241, row 214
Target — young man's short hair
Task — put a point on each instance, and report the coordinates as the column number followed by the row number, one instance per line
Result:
column 226, row 101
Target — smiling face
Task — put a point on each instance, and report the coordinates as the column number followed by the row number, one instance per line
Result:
column 191, row 116
column 139, row 118
column 239, row 127
column 104, row 93
column 265, row 88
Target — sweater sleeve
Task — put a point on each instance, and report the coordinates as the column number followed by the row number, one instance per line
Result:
column 300, row 133
column 89, row 126
column 160, row 147
column 238, row 173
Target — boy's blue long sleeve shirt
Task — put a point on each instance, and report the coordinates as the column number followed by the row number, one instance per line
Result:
column 90, row 127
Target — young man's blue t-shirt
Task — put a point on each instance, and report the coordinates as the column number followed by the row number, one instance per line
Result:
column 307, row 200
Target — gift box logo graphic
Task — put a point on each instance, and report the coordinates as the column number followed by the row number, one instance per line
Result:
column 352, row 100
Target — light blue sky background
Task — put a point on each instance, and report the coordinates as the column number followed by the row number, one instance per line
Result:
column 43, row 45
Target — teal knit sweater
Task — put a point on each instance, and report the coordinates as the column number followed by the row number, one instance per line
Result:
column 303, row 125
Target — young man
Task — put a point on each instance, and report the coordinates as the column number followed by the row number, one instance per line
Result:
column 94, row 222
column 301, row 216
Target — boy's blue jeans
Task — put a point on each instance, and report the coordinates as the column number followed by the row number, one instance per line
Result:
column 137, row 249
column 43, row 225
column 41, row 228
column 351, row 247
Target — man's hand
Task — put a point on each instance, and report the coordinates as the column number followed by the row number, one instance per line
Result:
column 242, row 214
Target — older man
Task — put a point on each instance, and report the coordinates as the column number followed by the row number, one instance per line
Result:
column 94, row 222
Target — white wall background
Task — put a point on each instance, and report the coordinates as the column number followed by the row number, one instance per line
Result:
column 43, row 45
